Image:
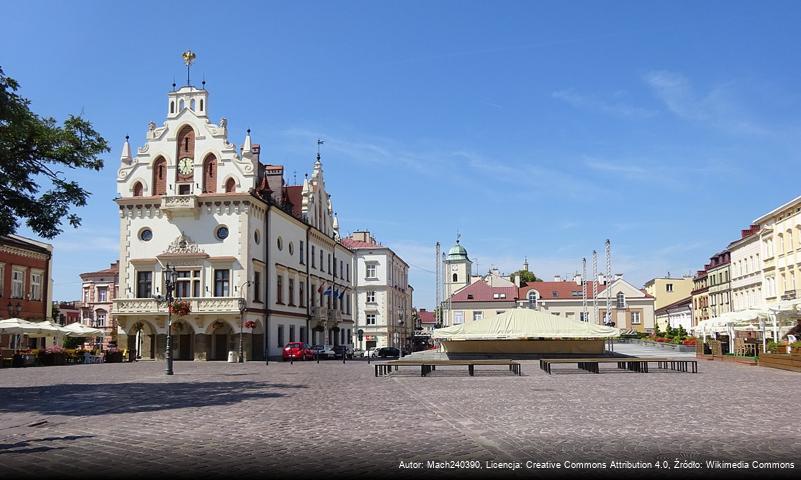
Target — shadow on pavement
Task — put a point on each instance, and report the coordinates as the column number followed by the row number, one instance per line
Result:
column 27, row 446
column 100, row 399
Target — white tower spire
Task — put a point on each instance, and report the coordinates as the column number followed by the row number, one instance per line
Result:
column 126, row 152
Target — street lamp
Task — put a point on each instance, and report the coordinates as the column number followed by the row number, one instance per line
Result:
column 242, row 308
column 169, row 285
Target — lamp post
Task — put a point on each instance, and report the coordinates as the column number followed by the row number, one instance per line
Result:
column 242, row 308
column 169, row 285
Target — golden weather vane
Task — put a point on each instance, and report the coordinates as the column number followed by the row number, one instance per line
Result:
column 189, row 57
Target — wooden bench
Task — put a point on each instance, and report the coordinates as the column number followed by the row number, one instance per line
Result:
column 428, row 366
column 635, row 364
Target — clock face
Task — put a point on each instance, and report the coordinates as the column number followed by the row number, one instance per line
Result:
column 454, row 267
column 185, row 166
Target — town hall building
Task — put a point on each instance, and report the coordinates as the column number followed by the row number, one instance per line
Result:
column 233, row 229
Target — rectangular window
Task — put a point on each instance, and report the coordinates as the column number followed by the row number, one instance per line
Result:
column 321, row 259
column 102, row 294
column 342, row 336
column 312, row 257
column 222, row 283
column 347, row 271
column 279, row 289
column 669, row 287
column 183, row 284
column 371, row 319
column 341, row 270
column 371, row 270
column 302, row 253
column 144, row 284
column 292, row 291
column 478, row 315
column 584, row 316
column 302, row 337
column 371, row 296
column 635, row 318
column 257, row 286
column 36, row 286
column 329, row 263
column 280, row 336
column 335, row 266
column 17, row 283
column 291, row 333
column 458, row 317
column 302, row 293
column 347, row 300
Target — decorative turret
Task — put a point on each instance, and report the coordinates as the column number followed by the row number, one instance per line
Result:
column 247, row 147
column 125, row 157
column 335, row 225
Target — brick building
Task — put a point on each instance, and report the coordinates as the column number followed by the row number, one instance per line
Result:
column 25, row 282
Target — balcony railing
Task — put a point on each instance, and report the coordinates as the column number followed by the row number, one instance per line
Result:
column 202, row 305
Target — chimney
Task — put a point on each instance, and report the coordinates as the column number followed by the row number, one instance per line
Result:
column 361, row 236
column 516, row 280
column 601, row 279
column 577, row 278
column 618, row 276
column 557, row 278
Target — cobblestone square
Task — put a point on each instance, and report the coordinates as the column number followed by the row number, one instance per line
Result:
column 214, row 418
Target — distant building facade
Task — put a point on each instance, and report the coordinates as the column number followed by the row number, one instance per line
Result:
column 383, row 296
column 668, row 290
column 98, row 291
column 746, row 274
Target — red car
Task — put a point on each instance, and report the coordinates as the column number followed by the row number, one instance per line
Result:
column 297, row 351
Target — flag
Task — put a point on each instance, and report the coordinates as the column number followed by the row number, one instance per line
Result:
column 328, row 291
column 341, row 294
column 320, row 290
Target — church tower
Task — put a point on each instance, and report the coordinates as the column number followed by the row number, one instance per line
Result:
column 458, row 269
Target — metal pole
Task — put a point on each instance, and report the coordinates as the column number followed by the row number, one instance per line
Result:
column 168, row 285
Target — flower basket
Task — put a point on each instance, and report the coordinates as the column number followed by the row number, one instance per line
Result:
column 180, row 308
column 250, row 324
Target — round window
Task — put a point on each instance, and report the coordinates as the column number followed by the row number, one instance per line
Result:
column 291, row 249
column 257, row 237
column 280, row 244
column 222, row 233
column 146, row 234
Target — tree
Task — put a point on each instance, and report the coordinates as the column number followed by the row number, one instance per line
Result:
column 526, row 276
column 32, row 149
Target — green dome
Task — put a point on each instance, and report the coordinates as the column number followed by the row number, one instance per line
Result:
column 457, row 252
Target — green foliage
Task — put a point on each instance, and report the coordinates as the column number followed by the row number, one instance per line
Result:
column 32, row 152
column 525, row 276
column 657, row 332
column 73, row 342
column 796, row 344
column 681, row 332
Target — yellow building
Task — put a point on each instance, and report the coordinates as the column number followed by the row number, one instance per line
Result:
column 668, row 290
column 780, row 235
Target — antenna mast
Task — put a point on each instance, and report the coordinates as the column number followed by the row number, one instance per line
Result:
column 608, row 248
column 438, row 289
column 584, row 289
column 595, row 286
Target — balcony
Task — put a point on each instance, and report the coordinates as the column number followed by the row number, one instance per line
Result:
column 203, row 305
column 334, row 316
column 179, row 204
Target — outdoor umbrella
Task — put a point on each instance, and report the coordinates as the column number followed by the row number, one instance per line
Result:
column 79, row 330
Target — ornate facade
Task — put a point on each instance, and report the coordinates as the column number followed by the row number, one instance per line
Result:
column 232, row 229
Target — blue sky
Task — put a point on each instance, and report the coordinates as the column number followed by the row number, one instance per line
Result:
column 536, row 129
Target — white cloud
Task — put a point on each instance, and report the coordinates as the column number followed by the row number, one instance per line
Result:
column 593, row 103
column 718, row 108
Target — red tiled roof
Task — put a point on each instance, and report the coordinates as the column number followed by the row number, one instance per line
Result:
column 352, row 244
column 481, row 292
column 558, row 290
column 426, row 317
column 294, row 194
column 113, row 270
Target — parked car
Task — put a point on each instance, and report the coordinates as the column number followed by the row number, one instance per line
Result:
column 346, row 349
column 297, row 351
column 324, row 351
column 370, row 352
column 359, row 353
column 387, row 352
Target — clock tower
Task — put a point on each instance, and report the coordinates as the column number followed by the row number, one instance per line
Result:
column 458, row 269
